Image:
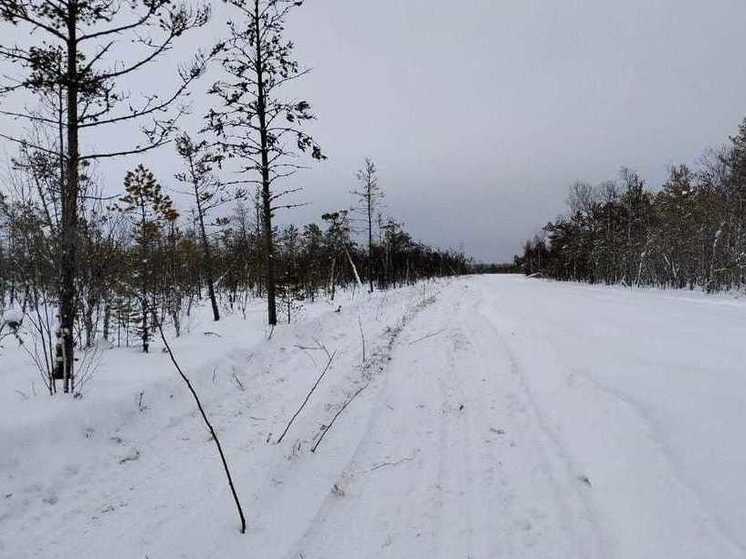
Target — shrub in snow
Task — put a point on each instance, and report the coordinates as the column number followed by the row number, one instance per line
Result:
column 10, row 323
column 12, row 318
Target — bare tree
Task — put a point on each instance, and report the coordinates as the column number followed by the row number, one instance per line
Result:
column 369, row 195
column 209, row 193
column 256, row 124
column 581, row 197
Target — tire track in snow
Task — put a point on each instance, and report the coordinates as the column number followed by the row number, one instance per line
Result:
column 370, row 530
column 578, row 516
column 648, row 426
column 467, row 492
column 346, row 439
column 638, row 496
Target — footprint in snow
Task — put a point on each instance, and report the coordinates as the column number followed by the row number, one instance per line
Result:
column 585, row 480
column 132, row 455
column 51, row 499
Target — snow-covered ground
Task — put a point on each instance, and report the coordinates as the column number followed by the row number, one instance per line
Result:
column 500, row 417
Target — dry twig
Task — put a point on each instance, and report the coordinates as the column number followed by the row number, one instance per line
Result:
column 213, row 434
column 308, row 397
column 328, row 427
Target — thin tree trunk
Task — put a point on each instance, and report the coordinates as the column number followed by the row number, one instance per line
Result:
column 88, row 323
column 354, row 270
column 145, row 336
column 144, row 264
column 370, row 242
column 70, row 202
column 332, row 278
column 107, row 319
column 208, row 269
column 205, row 249
column 213, row 298
column 266, row 194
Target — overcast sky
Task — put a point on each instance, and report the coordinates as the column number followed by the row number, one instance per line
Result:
column 480, row 113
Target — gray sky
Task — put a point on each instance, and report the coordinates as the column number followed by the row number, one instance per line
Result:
column 480, row 113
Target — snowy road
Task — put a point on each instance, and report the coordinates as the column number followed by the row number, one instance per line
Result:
column 502, row 417
column 548, row 420
column 455, row 461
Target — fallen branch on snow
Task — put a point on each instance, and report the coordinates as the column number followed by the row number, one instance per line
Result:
column 386, row 464
column 308, row 397
column 362, row 337
column 431, row 335
column 331, row 423
column 319, row 346
column 238, row 382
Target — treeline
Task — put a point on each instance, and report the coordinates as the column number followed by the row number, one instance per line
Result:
column 485, row 268
column 690, row 233
column 142, row 261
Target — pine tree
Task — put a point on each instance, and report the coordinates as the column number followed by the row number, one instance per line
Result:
column 209, row 193
column 369, row 195
column 148, row 210
column 256, row 124
column 337, row 239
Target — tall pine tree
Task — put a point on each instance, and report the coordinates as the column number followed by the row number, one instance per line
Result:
column 257, row 124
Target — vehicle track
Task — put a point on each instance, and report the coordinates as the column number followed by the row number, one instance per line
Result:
column 453, row 462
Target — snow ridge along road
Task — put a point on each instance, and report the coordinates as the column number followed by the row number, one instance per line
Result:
column 501, row 417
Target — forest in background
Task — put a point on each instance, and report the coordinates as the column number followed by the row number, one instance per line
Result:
column 690, row 233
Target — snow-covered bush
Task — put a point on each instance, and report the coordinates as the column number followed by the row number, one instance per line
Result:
column 12, row 319
column 10, row 322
